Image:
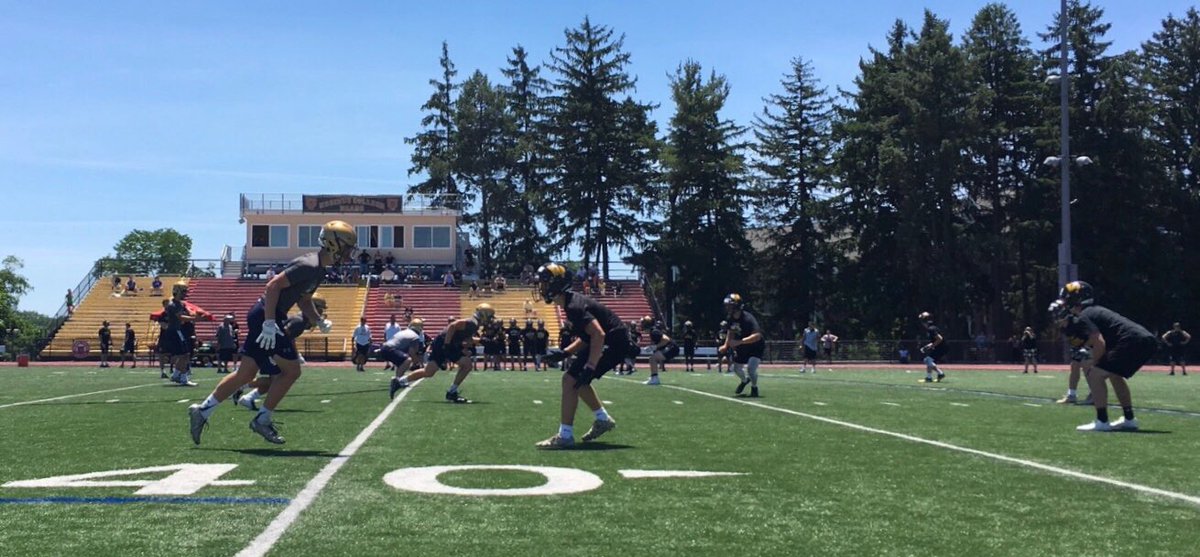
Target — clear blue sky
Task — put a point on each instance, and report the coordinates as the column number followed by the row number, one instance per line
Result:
column 116, row 115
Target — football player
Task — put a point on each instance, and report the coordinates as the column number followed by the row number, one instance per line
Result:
column 1177, row 340
column 295, row 326
column 1119, row 348
column 175, row 342
column 745, row 341
column 404, row 351
column 292, row 287
column 689, row 337
column 603, row 342
column 455, row 344
column 934, row 350
column 662, row 349
column 1029, row 349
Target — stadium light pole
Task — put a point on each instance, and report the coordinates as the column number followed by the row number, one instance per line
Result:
column 1065, row 271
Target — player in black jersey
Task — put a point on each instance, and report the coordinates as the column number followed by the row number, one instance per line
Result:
column 105, row 335
column 1177, row 340
column 934, row 350
column 689, row 337
column 746, row 343
column 266, row 341
column 1119, row 348
column 513, row 334
column 129, row 347
column 602, row 344
column 1081, row 358
column 1029, row 349
column 565, row 338
column 455, row 345
column 662, row 349
column 541, row 345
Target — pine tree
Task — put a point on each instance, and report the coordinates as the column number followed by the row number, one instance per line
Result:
column 793, row 165
column 434, row 145
column 526, row 94
column 482, row 162
column 705, row 171
column 599, row 147
column 1008, row 208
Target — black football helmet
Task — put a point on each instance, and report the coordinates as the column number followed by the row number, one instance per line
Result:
column 733, row 303
column 553, row 279
column 1077, row 293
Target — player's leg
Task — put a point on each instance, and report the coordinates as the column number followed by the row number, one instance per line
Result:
column 1099, row 388
column 289, row 371
column 464, row 369
column 200, row 413
column 752, row 374
column 736, row 366
column 1072, row 384
column 654, row 361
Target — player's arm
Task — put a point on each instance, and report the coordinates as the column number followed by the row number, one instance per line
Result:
column 309, row 309
column 271, row 296
column 753, row 338
column 1096, row 342
column 937, row 340
column 595, row 335
column 662, row 343
column 1186, row 337
column 1164, row 337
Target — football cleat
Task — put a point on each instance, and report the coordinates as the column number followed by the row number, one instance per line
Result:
column 753, row 392
column 197, row 422
column 266, row 430
column 741, row 386
column 599, row 427
column 1066, row 399
column 653, row 380
column 926, row 380
column 1096, row 425
column 455, row 398
column 1121, row 424
column 941, row 377
column 557, row 443
column 396, row 386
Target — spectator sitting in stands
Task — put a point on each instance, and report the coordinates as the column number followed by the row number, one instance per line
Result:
column 378, row 267
column 587, row 288
column 156, row 287
column 332, row 277
column 131, row 287
column 388, row 276
column 390, row 259
column 602, row 289
column 408, row 314
column 116, row 283
column 499, row 283
column 271, row 272
column 448, row 280
column 527, row 276
column 474, row 290
column 458, row 276
column 618, row 289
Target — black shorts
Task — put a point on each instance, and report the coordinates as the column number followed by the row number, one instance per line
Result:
column 174, row 344
column 743, row 353
column 1177, row 355
column 393, row 356
column 689, row 350
column 104, row 348
column 1126, row 358
column 669, row 352
column 362, row 349
column 284, row 346
column 809, row 353
column 225, row 354
column 514, row 350
column 444, row 355
column 128, row 348
column 617, row 347
column 492, row 349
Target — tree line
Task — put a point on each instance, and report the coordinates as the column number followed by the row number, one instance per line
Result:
column 922, row 187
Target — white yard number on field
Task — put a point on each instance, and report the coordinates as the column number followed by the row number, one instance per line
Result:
column 186, row 479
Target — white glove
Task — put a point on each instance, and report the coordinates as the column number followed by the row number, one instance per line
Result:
column 270, row 330
column 325, row 326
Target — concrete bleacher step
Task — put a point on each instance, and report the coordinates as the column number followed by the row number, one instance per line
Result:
column 434, row 304
column 101, row 304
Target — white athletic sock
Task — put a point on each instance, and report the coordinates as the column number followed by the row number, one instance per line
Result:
column 602, row 415
column 1071, row 392
column 566, row 432
column 253, row 394
column 264, row 416
column 209, row 406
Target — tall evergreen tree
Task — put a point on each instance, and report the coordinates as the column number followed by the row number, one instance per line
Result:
column 793, row 165
column 1008, row 234
column 705, row 173
column 598, row 147
column 433, row 146
column 482, row 162
column 1172, row 75
column 526, row 94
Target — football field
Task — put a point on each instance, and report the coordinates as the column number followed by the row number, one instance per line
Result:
column 845, row 462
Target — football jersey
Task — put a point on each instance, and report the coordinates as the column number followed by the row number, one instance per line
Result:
column 304, row 274
column 582, row 310
column 405, row 340
column 747, row 326
column 1114, row 327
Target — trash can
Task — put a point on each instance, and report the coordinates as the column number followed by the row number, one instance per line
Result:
column 22, row 360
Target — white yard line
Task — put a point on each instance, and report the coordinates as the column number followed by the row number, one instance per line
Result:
column 275, row 530
column 64, row 397
column 994, row 456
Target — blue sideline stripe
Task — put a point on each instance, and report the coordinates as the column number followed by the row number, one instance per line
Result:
column 128, row 500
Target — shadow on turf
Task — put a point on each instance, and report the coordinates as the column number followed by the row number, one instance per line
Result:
column 274, row 453
column 592, row 446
